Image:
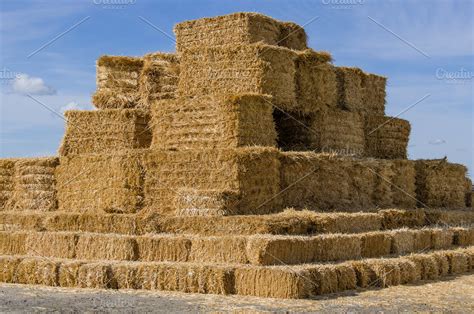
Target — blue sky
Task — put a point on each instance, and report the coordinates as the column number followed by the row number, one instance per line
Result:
column 419, row 45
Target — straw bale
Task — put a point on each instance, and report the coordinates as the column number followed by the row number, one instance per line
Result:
column 40, row 271
column 34, row 184
column 125, row 275
column 403, row 183
column 365, row 275
column 213, row 122
column 92, row 246
column 440, row 183
column 324, row 279
column 422, row 240
column 117, row 82
column 163, row 248
column 68, row 273
column 158, row 78
column 316, row 83
column 51, row 244
column 442, row 262
column 240, row 69
column 403, row 241
column 6, row 181
column 373, row 88
column 375, row 244
column 426, row 266
column 442, row 238
column 105, row 131
column 386, row 137
column 227, row 249
column 253, row 172
column 238, row 28
column 409, row 272
column 95, row 275
column 191, row 202
column 399, row 218
column 105, row 182
column 8, row 268
column 385, row 271
column 274, row 282
column 13, row 243
column 463, row 236
column 470, row 252
column 459, row 261
column 346, row 277
column 449, row 217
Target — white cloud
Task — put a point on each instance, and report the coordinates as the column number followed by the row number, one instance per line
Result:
column 25, row 84
column 70, row 106
column 437, row 142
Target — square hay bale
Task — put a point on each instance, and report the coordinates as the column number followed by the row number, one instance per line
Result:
column 281, row 250
column 21, row 220
column 459, row 261
column 13, row 243
column 440, row 184
column 323, row 280
column 7, row 172
column 105, row 131
column 426, row 266
column 346, row 277
column 101, row 182
column 158, row 248
column 117, row 82
column 442, row 262
column 38, row 271
column 95, row 275
column 227, row 249
column 68, row 274
column 345, row 222
column 240, row 69
column 316, row 83
column 449, row 217
column 158, row 78
column 386, row 272
column 9, row 268
column 442, row 238
column 192, row 278
column 463, row 236
column 273, row 282
column 375, row 244
column 34, row 184
column 213, row 122
column 125, row 276
column 409, row 271
column 373, row 88
column 94, row 246
column 470, row 253
column 338, row 247
column 365, row 275
column 403, row 241
column 403, row 183
column 253, row 172
column 422, row 240
column 399, row 218
column 51, row 244
column 386, row 137
column 239, row 28
column 191, row 202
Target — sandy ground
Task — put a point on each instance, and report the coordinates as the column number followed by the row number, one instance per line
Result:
column 454, row 294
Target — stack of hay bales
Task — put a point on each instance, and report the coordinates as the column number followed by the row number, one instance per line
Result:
column 177, row 181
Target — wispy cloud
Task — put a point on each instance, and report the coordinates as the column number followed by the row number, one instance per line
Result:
column 27, row 85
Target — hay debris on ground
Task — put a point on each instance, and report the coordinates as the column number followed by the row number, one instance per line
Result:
column 238, row 28
column 213, row 122
column 240, row 69
column 105, row 131
column 117, row 82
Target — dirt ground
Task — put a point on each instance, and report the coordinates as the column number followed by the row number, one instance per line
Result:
column 454, row 294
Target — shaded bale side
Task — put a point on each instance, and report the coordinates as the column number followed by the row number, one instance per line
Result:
column 211, row 122
column 106, row 247
column 253, row 172
column 440, row 184
column 442, row 262
column 463, row 236
column 101, row 183
column 163, row 248
column 158, row 78
column 386, row 137
column 459, row 261
column 274, row 282
column 117, row 82
column 386, row 272
column 238, row 28
column 49, row 244
column 9, row 268
column 316, row 84
column 105, row 131
column 426, row 265
column 293, row 129
column 322, row 279
column 409, row 271
column 373, row 89
column 236, row 69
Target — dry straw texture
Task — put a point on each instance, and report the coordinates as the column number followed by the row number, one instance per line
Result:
column 158, row 78
column 105, row 131
column 251, row 172
column 7, row 172
column 440, row 184
column 117, row 82
column 110, row 183
column 361, row 92
column 238, row 28
column 316, row 83
column 240, row 69
column 213, row 122
column 386, row 137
